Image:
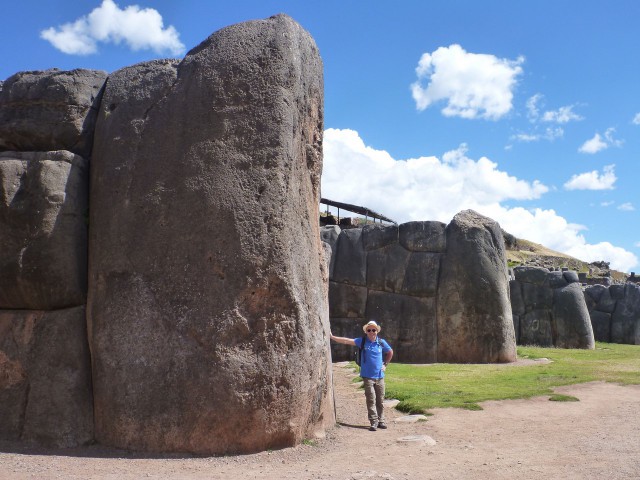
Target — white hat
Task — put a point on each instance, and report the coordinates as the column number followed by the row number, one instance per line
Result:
column 372, row 323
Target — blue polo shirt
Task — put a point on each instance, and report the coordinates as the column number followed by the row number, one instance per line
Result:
column 373, row 354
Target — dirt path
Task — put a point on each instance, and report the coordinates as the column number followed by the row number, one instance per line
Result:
column 597, row 437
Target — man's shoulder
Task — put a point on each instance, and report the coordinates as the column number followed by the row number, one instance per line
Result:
column 384, row 343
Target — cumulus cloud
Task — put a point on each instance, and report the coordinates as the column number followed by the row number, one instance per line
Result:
column 561, row 115
column 473, row 85
column 550, row 133
column 432, row 188
column 626, row 207
column 607, row 204
column 593, row 180
column 139, row 29
column 598, row 143
column 636, row 119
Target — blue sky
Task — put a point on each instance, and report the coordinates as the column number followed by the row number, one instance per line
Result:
column 528, row 112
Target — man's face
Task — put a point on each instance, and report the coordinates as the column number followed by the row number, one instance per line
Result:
column 372, row 333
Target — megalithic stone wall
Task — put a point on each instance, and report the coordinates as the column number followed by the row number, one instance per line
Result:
column 207, row 309
column 46, row 128
column 394, row 275
column 549, row 309
column 615, row 312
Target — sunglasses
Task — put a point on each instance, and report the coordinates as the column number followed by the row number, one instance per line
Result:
column 369, row 330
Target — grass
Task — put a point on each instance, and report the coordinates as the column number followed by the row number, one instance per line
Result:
column 422, row 387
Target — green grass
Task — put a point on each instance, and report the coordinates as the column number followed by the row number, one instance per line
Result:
column 422, row 387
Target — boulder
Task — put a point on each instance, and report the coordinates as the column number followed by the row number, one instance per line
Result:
column 43, row 230
column 601, row 324
column 386, row 268
column 475, row 322
column 350, row 258
column 421, row 274
column 50, row 110
column 378, row 236
column 626, row 317
column 329, row 235
column 571, row 318
column 535, row 328
column 348, row 301
column 423, row 236
column 207, row 308
column 45, row 377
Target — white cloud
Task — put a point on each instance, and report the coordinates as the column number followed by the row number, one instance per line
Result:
column 550, row 133
column 429, row 188
column 140, row 29
column 636, row 119
column 598, row 143
column 474, row 85
column 637, row 244
column 626, row 207
column 593, row 180
column 606, row 204
column 562, row 115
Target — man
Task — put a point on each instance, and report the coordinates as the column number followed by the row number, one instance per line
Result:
column 376, row 355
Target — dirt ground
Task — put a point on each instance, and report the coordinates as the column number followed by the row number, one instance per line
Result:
column 595, row 438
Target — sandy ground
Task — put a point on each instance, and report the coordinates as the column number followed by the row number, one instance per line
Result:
column 595, row 438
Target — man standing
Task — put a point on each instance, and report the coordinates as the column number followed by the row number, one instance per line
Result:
column 376, row 355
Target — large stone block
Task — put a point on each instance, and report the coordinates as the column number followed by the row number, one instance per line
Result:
column 423, row 236
column 626, row 317
column 45, row 377
column 475, row 322
column 517, row 302
column 601, row 324
column 571, row 318
column 351, row 260
column 535, row 328
column 348, row 301
column 606, row 303
column 43, row 230
column 378, row 236
column 534, row 275
column 536, row 296
column 207, row 309
column 408, row 324
column 422, row 274
column 386, row 268
column 329, row 235
column 50, row 110
column 345, row 327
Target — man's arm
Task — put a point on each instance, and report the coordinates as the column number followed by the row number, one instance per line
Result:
column 387, row 357
column 343, row 340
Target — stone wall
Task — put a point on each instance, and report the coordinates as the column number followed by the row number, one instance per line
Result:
column 419, row 281
column 615, row 312
column 549, row 309
column 206, row 311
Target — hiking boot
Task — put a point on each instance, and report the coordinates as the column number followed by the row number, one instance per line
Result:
column 382, row 425
column 373, row 427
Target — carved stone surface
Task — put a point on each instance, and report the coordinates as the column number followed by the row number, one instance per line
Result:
column 615, row 312
column 45, row 377
column 474, row 314
column 423, row 236
column 43, row 230
column 207, row 308
column 50, row 110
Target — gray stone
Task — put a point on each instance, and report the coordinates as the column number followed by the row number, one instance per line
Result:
column 351, row 263
column 595, row 291
column 571, row 276
column 516, row 327
column 422, row 439
column 571, row 318
column 45, row 378
column 421, row 275
column 626, row 316
column 378, row 236
column 345, row 327
column 43, row 230
column 423, row 236
column 207, row 308
column 557, row 279
column 346, row 300
column 601, row 324
column 386, row 268
column 535, row 275
column 475, row 322
column 617, row 292
column 606, row 303
column 50, row 110
column 408, row 324
column 411, row 418
column 517, row 302
column 536, row 296
column 329, row 234
column 535, row 328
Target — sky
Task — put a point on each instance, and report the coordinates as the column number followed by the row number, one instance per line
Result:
column 527, row 112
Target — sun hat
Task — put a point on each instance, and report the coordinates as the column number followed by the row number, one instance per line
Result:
column 372, row 323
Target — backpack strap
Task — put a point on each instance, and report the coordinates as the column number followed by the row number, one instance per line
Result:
column 362, row 350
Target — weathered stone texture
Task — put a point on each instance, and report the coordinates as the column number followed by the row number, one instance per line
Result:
column 615, row 312
column 43, row 230
column 207, row 308
column 50, row 110
column 45, row 377
column 551, row 308
column 475, row 323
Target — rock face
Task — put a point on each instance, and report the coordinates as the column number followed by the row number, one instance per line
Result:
column 45, row 377
column 474, row 313
column 615, row 312
column 207, row 310
column 43, row 230
column 549, row 309
column 396, row 275
column 50, row 110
